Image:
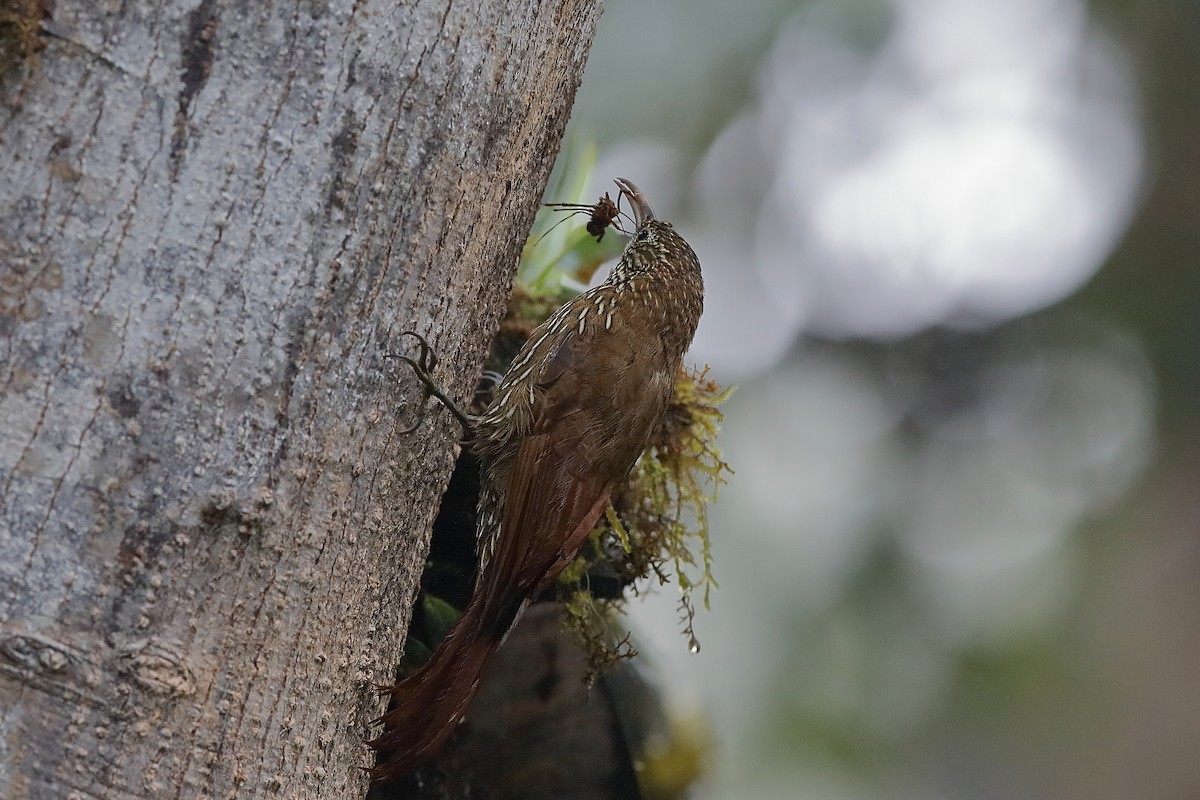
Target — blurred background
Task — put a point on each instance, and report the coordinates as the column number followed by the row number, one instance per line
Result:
column 952, row 250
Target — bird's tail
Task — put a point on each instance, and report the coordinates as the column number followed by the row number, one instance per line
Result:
column 428, row 705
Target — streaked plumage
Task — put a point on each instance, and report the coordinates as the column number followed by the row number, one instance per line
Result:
column 563, row 429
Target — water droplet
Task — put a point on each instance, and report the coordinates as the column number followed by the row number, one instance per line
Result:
column 693, row 646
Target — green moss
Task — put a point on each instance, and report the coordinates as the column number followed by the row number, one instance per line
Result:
column 20, row 22
column 656, row 529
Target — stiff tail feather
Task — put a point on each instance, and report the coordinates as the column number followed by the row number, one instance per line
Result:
column 428, row 705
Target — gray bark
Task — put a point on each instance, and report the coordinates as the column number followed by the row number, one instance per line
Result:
column 215, row 219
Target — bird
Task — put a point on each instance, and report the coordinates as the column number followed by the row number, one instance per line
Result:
column 564, row 427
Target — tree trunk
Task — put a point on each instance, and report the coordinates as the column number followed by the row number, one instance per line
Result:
column 215, row 220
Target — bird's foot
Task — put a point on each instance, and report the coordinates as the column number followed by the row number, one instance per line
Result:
column 423, row 366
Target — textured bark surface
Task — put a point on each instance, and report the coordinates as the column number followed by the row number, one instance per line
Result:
column 215, row 219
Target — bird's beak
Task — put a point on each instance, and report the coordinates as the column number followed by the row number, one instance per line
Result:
column 641, row 206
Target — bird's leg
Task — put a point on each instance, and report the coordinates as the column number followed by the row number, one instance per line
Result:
column 423, row 366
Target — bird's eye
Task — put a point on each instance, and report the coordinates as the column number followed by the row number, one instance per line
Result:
column 642, row 235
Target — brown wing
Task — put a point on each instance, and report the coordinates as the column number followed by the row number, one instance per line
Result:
column 552, row 490
column 595, row 400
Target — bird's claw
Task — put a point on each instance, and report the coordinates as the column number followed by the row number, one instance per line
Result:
column 423, row 366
